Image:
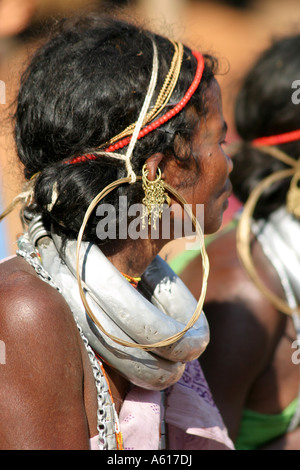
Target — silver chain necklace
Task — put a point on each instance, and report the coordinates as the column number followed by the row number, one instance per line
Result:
column 107, row 419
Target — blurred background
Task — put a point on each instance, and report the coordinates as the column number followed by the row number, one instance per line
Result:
column 236, row 31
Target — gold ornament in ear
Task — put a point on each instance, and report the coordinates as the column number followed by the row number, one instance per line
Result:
column 155, row 197
column 293, row 196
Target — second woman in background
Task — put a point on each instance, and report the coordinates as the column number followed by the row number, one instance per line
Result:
column 250, row 364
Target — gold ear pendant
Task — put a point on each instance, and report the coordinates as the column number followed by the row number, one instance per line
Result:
column 155, row 197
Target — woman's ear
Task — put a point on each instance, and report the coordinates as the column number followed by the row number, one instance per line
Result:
column 152, row 165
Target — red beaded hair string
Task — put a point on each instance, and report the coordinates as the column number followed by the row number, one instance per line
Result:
column 277, row 139
column 170, row 114
column 163, row 97
column 158, row 122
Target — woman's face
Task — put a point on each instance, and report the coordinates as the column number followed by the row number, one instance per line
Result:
column 209, row 185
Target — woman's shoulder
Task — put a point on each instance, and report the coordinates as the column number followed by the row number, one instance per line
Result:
column 30, row 308
column 224, row 266
column 19, row 284
column 43, row 376
column 234, row 297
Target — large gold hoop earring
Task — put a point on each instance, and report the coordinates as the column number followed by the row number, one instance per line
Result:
column 205, row 263
column 244, row 240
column 293, row 196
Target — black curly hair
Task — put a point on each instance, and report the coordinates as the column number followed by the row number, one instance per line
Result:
column 84, row 86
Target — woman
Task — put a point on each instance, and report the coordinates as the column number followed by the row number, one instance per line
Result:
column 101, row 105
column 253, row 294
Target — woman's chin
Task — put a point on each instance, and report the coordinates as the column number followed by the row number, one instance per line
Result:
column 214, row 225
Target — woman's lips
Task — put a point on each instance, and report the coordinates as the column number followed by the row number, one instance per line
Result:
column 227, row 189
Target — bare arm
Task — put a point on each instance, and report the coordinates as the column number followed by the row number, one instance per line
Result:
column 41, row 386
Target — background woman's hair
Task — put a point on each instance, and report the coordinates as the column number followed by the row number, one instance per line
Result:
column 82, row 88
column 264, row 107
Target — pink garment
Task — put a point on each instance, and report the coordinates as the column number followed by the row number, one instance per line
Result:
column 192, row 418
column 194, row 421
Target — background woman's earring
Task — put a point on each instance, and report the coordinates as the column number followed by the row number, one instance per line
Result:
column 293, row 196
column 155, row 197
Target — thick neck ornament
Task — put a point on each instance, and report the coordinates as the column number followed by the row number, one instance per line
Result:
column 123, row 311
